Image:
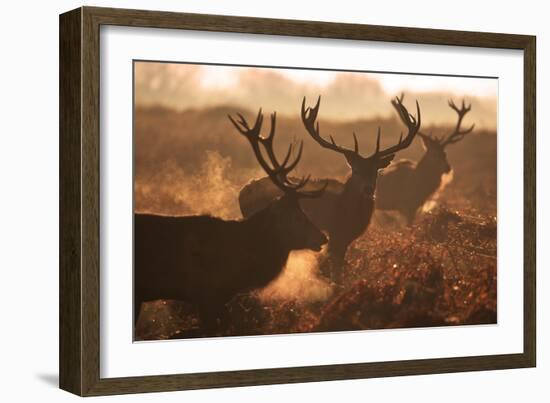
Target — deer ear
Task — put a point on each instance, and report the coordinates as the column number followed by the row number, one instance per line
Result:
column 384, row 162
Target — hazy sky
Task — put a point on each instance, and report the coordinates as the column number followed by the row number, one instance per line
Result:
column 228, row 77
column 346, row 95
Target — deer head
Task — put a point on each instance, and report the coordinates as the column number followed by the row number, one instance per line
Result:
column 435, row 146
column 285, row 214
column 364, row 170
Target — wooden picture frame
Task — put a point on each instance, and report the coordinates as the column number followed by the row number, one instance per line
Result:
column 79, row 200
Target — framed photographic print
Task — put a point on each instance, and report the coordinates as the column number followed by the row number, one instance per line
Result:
column 249, row 201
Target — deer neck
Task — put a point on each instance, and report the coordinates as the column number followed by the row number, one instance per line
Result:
column 353, row 209
column 265, row 224
column 353, row 193
column 271, row 254
column 428, row 176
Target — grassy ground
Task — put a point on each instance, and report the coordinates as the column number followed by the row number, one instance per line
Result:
column 442, row 271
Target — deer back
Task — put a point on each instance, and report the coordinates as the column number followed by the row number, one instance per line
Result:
column 259, row 193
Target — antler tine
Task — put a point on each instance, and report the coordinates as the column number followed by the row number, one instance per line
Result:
column 312, row 111
column 378, row 140
column 302, row 182
column 314, row 193
column 276, row 164
column 283, row 168
column 401, row 97
column 253, row 136
column 268, row 142
column 412, row 123
column 463, row 110
column 242, row 125
column 269, row 137
column 457, row 133
column 309, row 116
column 457, row 136
column 452, row 104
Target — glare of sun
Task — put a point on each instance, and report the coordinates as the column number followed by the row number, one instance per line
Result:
column 228, row 76
column 218, row 76
column 393, row 83
column 317, row 77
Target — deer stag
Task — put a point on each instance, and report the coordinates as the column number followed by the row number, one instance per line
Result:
column 344, row 211
column 406, row 185
column 207, row 261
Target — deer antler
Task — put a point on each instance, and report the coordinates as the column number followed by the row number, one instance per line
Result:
column 309, row 116
column 412, row 123
column 458, row 134
column 279, row 172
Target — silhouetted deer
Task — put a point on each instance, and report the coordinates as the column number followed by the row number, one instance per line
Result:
column 207, row 261
column 406, row 185
column 344, row 211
